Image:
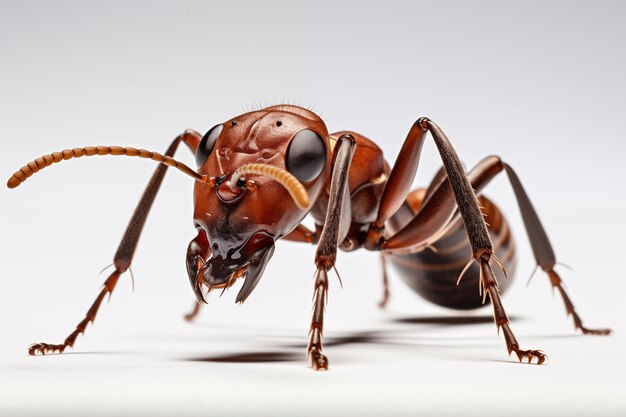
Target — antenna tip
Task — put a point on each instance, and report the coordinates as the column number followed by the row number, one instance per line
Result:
column 13, row 182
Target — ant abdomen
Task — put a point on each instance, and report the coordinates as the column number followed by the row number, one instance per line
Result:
column 433, row 273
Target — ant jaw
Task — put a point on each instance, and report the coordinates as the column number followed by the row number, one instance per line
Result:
column 254, row 271
column 251, row 272
column 238, row 273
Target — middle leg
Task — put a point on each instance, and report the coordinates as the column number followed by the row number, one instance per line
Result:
column 430, row 222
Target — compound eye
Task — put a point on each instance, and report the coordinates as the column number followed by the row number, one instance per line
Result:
column 207, row 143
column 306, row 155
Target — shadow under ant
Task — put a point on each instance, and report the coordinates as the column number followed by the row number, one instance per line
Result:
column 250, row 357
column 448, row 320
column 362, row 337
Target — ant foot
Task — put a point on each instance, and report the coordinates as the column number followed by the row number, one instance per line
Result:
column 193, row 313
column 529, row 355
column 44, row 349
column 319, row 362
column 595, row 332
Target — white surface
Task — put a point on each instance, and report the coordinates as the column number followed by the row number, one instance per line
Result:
column 542, row 86
column 246, row 367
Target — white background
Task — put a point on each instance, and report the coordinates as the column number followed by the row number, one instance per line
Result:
column 541, row 85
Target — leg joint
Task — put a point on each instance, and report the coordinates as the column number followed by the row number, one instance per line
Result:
column 423, row 122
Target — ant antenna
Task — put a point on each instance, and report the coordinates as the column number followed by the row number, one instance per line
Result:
column 291, row 183
column 55, row 157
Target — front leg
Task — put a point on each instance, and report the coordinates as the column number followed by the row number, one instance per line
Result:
column 335, row 228
column 125, row 251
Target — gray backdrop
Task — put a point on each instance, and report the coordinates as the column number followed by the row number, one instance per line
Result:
column 540, row 84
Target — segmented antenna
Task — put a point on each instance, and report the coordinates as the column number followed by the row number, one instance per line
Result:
column 291, row 183
column 55, row 157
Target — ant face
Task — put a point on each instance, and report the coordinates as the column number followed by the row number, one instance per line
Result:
column 243, row 215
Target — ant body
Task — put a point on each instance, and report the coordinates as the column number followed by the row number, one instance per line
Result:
column 261, row 173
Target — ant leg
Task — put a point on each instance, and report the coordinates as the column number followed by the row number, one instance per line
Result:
column 437, row 180
column 302, row 234
column 430, row 222
column 383, row 302
column 335, row 229
column 126, row 250
column 542, row 249
column 191, row 316
column 479, row 177
column 436, row 211
column 402, row 216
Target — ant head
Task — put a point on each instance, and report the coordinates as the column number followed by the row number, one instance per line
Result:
column 259, row 175
column 268, row 168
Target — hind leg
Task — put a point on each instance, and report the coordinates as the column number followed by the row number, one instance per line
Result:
column 542, row 249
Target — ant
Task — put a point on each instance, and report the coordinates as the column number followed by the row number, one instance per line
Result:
column 261, row 173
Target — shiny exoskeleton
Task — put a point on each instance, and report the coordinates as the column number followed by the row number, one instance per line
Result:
column 261, row 173
column 433, row 272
